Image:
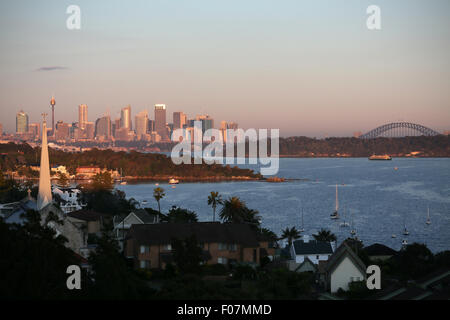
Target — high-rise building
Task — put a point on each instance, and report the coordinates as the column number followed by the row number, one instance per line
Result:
column 82, row 115
column 160, row 121
column 125, row 118
column 89, row 130
column 21, row 122
column 207, row 122
column 179, row 120
column 35, row 130
column 141, row 124
column 62, row 131
column 103, row 128
column 150, row 126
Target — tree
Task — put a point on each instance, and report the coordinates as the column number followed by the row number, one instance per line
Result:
column 414, row 261
column 187, row 254
column 180, row 215
column 63, row 181
column 269, row 235
column 10, row 190
column 102, row 181
column 213, row 200
column 158, row 194
column 234, row 210
column 112, row 277
column 33, row 261
column 325, row 235
column 290, row 234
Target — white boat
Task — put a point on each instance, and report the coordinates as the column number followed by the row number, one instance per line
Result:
column 173, row 181
column 156, row 184
column 405, row 231
column 428, row 222
column 394, row 236
column 404, row 242
column 335, row 214
column 123, row 182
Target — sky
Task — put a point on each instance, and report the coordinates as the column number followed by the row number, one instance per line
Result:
column 309, row 68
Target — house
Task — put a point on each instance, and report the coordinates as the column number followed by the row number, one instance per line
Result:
column 306, row 266
column 378, row 251
column 69, row 200
column 343, row 267
column 150, row 245
column 87, row 171
column 434, row 286
column 91, row 223
column 314, row 250
column 139, row 216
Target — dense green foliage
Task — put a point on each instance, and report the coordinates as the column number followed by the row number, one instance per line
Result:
column 131, row 163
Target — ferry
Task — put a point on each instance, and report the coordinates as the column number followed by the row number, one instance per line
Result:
column 380, row 157
column 173, row 181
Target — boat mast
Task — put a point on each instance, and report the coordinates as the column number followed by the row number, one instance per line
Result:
column 337, row 200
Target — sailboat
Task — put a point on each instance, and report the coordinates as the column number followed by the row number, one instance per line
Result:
column 302, row 229
column 344, row 224
column 121, row 178
column 428, row 222
column 405, row 231
column 353, row 231
column 335, row 214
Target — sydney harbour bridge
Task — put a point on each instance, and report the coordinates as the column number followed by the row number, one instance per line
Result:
column 399, row 129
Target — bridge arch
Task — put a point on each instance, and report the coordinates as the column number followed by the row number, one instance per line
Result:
column 402, row 126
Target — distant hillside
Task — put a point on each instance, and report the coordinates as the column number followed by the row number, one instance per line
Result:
column 437, row 146
column 133, row 164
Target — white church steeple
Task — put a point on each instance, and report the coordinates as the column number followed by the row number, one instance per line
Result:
column 45, row 190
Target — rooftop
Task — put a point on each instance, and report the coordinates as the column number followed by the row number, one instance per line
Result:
column 163, row 233
column 312, row 247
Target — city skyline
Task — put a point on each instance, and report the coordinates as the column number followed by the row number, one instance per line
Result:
column 314, row 65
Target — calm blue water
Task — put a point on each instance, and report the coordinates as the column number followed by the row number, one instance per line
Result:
column 380, row 198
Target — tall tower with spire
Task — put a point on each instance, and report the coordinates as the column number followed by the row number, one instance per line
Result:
column 52, row 103
column 45, row 190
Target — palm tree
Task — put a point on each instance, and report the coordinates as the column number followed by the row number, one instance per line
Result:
column 290, row 234
column 325, row 235
column 158, row 194
column 213, row 200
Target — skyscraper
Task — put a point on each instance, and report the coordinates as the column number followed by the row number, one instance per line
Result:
column 103, row 128
column 207, row 122
column 62, row 131
column 160, row 121
column 82, row 115
column 45, row 191
column 141, row 124
column 125, row 118
column 179, row 120
column 21, row 122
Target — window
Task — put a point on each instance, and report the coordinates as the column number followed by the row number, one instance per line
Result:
column 144, row 264
column 167, row 247
column 222, row 260
column 227, row 246
column 145, row 249
column 317, row 257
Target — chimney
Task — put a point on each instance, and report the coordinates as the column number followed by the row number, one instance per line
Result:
column 305, row 238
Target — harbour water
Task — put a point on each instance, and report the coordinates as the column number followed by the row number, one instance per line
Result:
column 380, row 198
